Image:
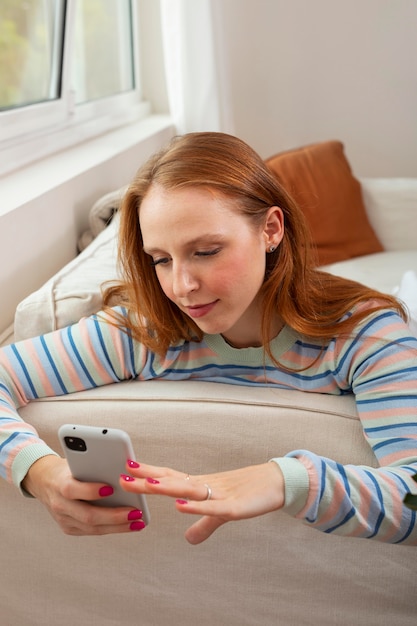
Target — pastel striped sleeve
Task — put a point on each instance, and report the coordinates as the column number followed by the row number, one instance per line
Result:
column 380, row 367
column 89, row 354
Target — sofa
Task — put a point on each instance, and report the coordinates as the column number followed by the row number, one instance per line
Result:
column 266, row 571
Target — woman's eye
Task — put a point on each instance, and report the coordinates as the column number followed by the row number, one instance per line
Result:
column 155, row 262
column 208, row 252
column 165, row 260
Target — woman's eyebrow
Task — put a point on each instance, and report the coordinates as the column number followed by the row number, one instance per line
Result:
column 214, row 238
column 206, row 238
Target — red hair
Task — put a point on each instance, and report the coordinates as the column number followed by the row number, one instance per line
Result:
column 310, row 301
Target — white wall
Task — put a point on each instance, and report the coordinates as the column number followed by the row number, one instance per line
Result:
column 302, row 71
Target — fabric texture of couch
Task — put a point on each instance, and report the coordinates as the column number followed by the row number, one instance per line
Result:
column 265, row 571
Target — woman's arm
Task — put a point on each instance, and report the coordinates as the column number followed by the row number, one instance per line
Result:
column 86, row 355
column 89, row 354
column 260, row 489
column 380, row 367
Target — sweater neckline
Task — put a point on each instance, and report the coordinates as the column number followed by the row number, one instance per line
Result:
column 279, row 345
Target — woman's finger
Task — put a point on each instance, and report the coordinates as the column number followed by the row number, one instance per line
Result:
column 173, row 484
column 143, row 470
column 82, row 518
column 203, row 529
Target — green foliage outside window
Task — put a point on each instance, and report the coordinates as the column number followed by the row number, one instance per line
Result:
column 25, row 54
column 31, row 48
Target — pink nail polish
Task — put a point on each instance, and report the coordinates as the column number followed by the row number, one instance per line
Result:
column 133, row 464
column 153, row 481
column 128, row 479
column 181, row 501
column 134, row 515
column 106, row 491
column 137, row 525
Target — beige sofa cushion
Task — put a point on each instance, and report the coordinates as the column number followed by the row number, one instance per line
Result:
column 73, row 292
column 264, row 571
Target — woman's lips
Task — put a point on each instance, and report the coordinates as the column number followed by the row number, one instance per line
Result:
column 201, row 309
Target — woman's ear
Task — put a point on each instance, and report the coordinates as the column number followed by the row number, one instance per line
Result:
column 273, row 231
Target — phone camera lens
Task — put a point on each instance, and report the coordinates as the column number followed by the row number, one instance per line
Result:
column 104, row 431
column 75, row 443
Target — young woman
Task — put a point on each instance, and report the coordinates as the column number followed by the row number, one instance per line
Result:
column 219, row 283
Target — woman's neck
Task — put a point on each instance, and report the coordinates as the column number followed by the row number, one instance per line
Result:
column 252, row 339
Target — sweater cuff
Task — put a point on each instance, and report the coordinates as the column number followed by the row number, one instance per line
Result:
column 24, row 459
column 296, row 484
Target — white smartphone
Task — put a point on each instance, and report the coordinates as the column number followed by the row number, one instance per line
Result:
column 96, row 454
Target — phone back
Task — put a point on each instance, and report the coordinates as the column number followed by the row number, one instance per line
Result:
column 96, row 454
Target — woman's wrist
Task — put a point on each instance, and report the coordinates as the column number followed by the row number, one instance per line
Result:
column 38, row 472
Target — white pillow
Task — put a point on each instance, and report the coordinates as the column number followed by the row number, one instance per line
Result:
column 391, row 206
column 382, row 271
column 72, row 293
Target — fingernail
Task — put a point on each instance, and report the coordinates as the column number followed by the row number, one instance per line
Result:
column 181, row 501
column 133, row 464
column 127, row 478
column 153, row 481
column 137, row 525
column 106, row 491
column 134, row 515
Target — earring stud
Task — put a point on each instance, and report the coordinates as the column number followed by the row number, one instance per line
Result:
column 272, row 248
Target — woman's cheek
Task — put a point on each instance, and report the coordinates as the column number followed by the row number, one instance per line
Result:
column 224, row 279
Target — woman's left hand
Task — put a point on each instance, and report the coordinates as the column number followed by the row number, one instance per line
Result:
column 218, row 498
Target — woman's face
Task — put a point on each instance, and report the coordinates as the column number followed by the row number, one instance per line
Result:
column 209, row 259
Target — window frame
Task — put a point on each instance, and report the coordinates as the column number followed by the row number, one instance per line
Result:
column 34, row 131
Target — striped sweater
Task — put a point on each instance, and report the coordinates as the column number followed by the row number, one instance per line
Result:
column 378, row 366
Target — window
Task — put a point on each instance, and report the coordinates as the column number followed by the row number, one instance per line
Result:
column 31, row 36
column 68, row 71
column 102, row 61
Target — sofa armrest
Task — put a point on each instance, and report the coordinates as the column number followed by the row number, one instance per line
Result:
column 391, row 206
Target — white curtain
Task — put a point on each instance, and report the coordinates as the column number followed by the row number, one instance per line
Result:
column 195, row 71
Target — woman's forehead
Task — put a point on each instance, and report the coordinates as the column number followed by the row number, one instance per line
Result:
column 188, row 216
column 185, row 204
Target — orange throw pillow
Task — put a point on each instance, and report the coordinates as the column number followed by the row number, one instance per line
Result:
column 320, row 180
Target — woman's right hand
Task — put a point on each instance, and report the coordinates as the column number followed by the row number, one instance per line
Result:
column 49, row 480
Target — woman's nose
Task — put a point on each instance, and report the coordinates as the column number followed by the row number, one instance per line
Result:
column 183, row 282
